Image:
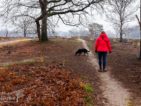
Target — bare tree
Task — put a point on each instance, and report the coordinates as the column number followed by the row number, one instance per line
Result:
column 43, row 10
column 95, row 30
column 6, row 32
column 25, row 25
column 120, row 13
column 139, row 21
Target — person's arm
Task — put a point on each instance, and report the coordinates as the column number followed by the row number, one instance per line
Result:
column 109, row 46
column 96, row 46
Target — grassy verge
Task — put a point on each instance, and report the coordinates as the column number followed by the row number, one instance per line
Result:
column 88, row 88
column 22, row 62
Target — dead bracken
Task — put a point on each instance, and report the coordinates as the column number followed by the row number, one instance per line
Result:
column 41, row 85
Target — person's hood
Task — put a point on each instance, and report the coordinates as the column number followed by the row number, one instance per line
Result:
column 104, row 36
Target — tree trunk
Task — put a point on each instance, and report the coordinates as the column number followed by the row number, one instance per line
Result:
column 38, row 29
column 25, row 32
column 44, row 35
column 121, row 33
column 42, row 29
column 6, row 33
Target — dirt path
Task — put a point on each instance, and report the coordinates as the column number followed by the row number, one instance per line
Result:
column 112, row 89
column 28, row 60
column 16, row 41
column 5, row 43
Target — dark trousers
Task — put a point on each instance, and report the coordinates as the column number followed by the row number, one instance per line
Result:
column 102, row 59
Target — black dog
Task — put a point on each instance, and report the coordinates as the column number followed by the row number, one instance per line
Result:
column 82, row 50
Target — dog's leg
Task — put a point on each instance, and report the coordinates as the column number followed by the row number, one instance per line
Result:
column 78, row 54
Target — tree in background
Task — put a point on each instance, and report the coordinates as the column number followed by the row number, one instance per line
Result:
column 139, row 21
column 121, row 12
column 6, row 32
column 78, row 32
column 95, row 30
column 42, row 11
column 24, row 25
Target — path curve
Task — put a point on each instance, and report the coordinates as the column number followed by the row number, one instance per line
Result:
column 9, row 42
column 112, row 89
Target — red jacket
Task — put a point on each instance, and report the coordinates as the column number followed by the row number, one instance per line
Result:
column 102, row 43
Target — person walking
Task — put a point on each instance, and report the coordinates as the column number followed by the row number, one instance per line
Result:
column 102, row 46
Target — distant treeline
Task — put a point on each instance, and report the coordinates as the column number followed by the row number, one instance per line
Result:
column 130, row 33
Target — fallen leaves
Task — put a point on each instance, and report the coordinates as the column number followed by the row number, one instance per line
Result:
column 19, row 80
column 46, row 85
column 2, row 79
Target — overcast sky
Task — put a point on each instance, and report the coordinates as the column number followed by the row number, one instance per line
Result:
column 101, row 19
column 97, row 19
column 93, row 19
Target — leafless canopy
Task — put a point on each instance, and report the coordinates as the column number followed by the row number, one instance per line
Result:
column 120, row 13
column 43, row 10
column 95, row 30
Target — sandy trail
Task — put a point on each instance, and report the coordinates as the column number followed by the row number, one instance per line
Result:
column 112, row 89
column 10, row 42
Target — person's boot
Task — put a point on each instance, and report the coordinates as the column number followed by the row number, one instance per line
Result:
column 100, row 69
column 104, row 69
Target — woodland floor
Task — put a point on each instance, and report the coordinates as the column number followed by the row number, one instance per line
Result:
column 126, row 68
column 52, row 69
column 48, row 74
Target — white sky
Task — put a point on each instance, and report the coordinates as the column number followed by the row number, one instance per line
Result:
column 95, row 18
column 101, row 20
column 98, row 19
